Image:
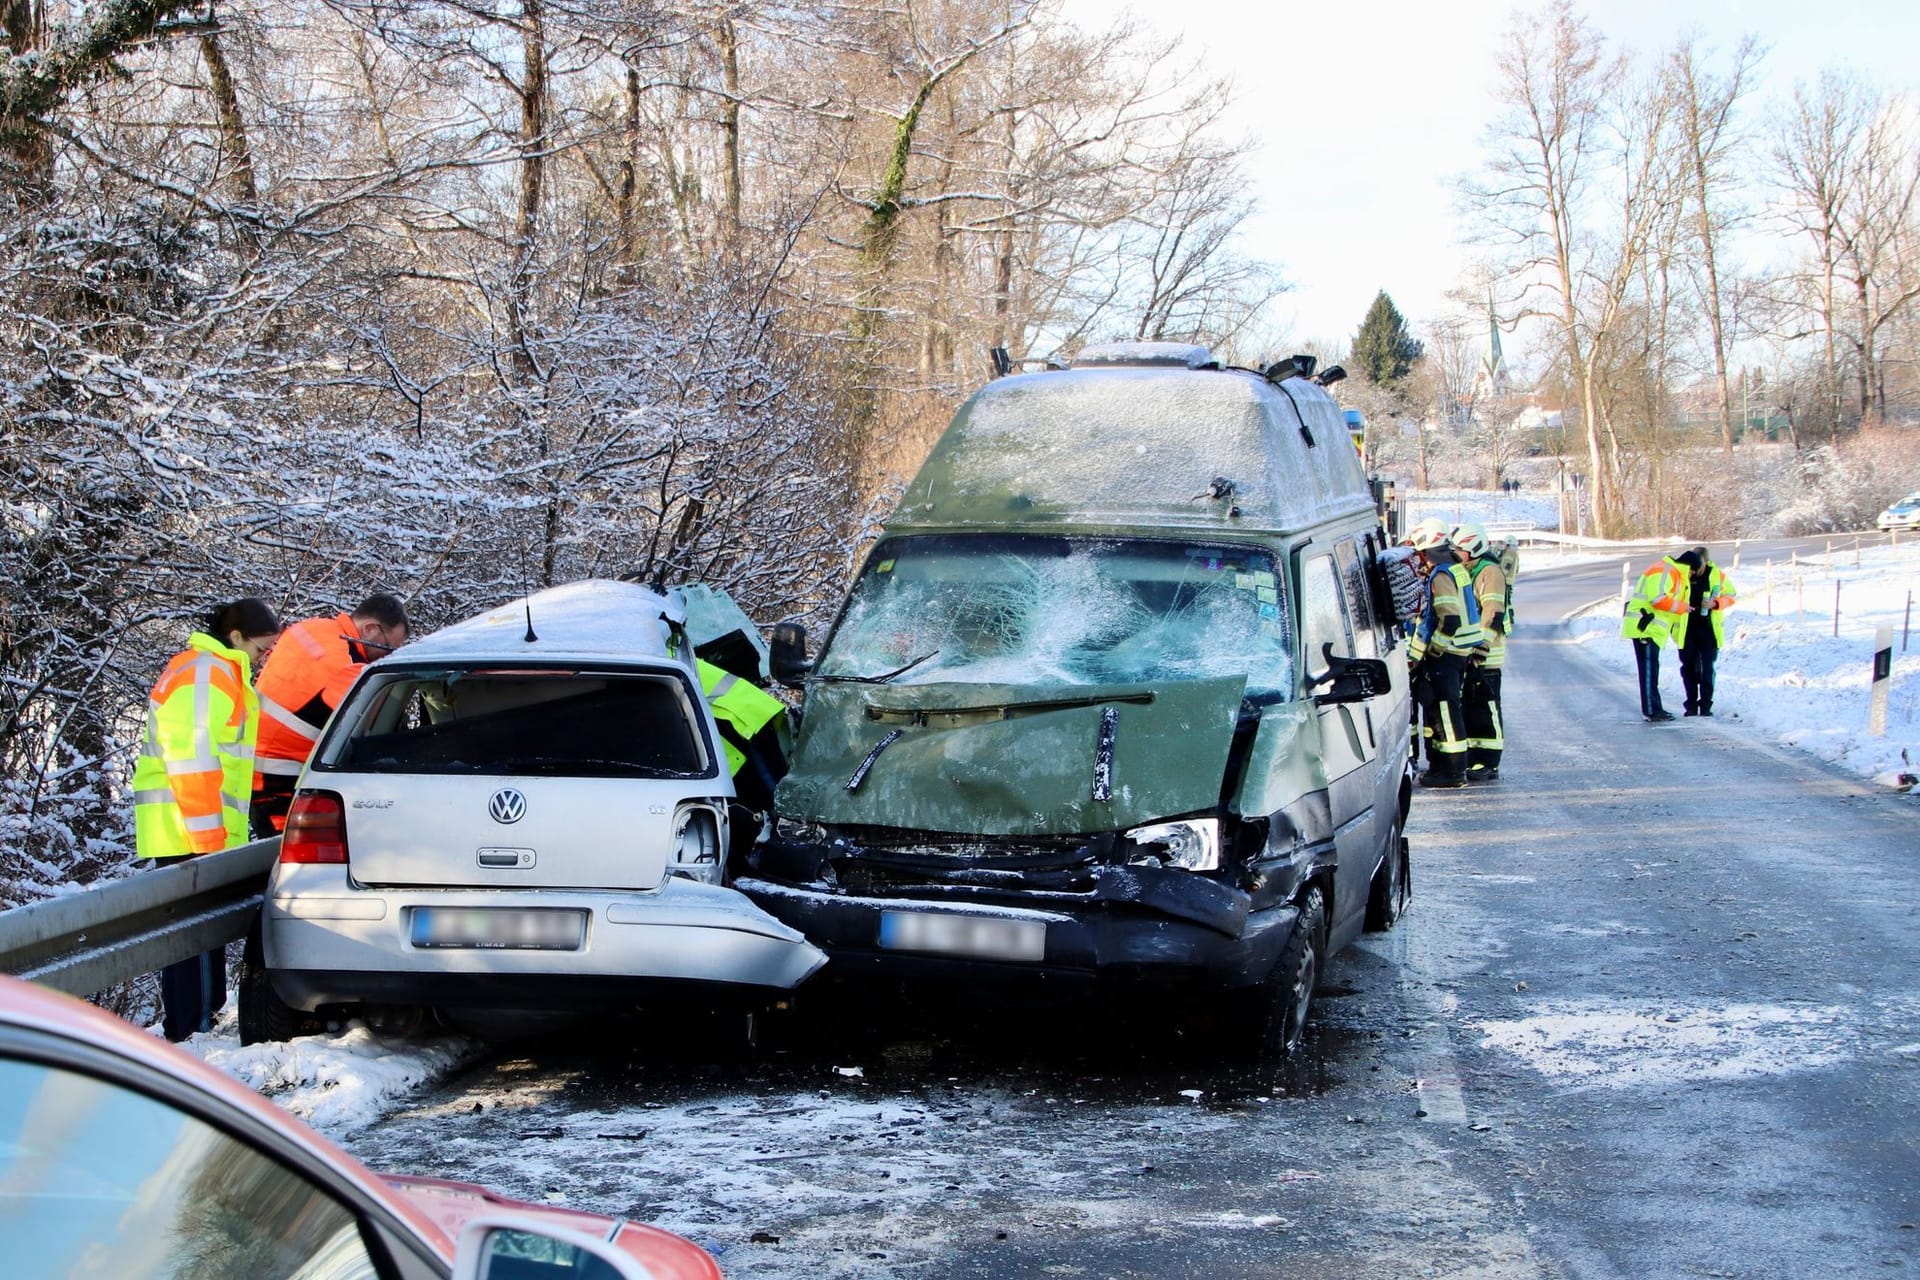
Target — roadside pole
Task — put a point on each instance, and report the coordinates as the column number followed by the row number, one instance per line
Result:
column 1882, row 678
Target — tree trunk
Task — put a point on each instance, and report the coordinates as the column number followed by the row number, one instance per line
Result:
column 233, row 128
column 729, row 42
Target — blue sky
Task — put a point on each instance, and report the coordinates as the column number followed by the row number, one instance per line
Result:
column 1383, row 102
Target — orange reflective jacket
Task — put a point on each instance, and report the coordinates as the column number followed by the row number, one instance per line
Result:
column 303, row 680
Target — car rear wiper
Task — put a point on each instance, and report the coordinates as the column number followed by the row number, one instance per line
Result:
column 880, row 679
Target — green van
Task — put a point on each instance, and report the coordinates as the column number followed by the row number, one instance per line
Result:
column 1118, row 697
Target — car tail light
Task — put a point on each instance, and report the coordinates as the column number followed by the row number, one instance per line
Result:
column 316, row 829
column 697, row 844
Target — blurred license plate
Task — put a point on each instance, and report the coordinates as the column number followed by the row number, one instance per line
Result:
column 538, row 929
column 989, row 937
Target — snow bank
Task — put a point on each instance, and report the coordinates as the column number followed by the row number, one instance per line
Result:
column 1785, row 673
column 336, row 1083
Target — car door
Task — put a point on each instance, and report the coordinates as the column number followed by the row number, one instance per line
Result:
column 1349, row 740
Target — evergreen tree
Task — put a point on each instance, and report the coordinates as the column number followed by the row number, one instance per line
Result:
column 1384, row 351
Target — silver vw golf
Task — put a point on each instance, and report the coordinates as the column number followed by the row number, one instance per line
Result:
column 528, row 810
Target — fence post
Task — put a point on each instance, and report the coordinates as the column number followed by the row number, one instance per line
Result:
column 1836, row 610
column 1769, row 586
column 1799, row 599
column 1906, row 626
column 1882, row 677
column 1856, row 551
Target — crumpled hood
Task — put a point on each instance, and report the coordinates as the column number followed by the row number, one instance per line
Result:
column 995, row 759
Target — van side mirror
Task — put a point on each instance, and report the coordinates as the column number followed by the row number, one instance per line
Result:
column 519, row 1245
column 787, row 655
column 1349, row 679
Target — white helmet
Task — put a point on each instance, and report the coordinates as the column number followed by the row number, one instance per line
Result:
column 1428, row 535
column 1470, row 539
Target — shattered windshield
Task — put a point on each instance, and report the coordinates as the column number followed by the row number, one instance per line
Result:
column 1036, row 609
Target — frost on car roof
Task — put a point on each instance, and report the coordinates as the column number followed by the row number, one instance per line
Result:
column 596, row 618
column 1139, row 446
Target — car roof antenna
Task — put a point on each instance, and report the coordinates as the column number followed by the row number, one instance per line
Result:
column 526, row 595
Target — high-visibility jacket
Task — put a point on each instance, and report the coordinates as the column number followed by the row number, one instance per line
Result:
column 1451, row 597
column 1490, row 591
column 191, row 782
column 740, row 707
column 1718, row 599
column 1657, row 609
column 301, row 682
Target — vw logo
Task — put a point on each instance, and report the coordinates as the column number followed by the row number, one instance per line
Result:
column 507, row 805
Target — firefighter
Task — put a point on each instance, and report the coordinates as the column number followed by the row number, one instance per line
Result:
column 1419, row 689
column 1486, row 729
column 1710, row 595
column 1451, row 633
column 1656, row 618
column 311, row 670
column 194, row 774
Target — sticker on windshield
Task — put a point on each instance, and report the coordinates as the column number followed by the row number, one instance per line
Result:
column 1270, row 612
column 885, row 566
column 1269, row 595
column 1243, row 581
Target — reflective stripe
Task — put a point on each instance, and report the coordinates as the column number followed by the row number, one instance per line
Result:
column 237, row 750
column 282, row 768
column 153, row 797
column 722, row 685
column 288, row 720
column 239, row 806
column 211, row 822
column 205, row 764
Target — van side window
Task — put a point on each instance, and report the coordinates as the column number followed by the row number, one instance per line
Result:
column 1353, row 577
column 1323, row 619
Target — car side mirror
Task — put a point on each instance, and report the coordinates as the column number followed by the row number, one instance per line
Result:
column 787, row 654
column 1348, row 679
column 506, row 1246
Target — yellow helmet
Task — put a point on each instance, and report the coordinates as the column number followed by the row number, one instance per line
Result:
column 1469, row 538
column 1428, row 534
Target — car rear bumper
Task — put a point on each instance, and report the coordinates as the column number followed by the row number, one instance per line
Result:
column 328, row 942
column 1102, row 943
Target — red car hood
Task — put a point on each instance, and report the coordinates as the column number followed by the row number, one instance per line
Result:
column 449, row 1205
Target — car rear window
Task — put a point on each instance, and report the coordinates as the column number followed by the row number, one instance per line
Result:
column 565, row 723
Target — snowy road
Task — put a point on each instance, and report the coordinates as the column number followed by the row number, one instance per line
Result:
column 1654, row 1013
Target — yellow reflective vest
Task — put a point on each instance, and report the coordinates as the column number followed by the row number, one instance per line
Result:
column 1452, row 596
column 194, row 777
column 1490, row 588
column 1657, row 609
column 741, row 707
column 1718, row 599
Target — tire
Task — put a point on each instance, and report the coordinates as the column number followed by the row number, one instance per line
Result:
column 1392, row 886
column 1275, row 1017
column 264, row 1015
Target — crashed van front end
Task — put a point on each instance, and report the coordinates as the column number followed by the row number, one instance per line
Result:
column 1053, row 755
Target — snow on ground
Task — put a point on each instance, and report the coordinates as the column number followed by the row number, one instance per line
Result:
column 1785, row 674
column 1537, row 507
column 1600, row 1044
column 337, row 1082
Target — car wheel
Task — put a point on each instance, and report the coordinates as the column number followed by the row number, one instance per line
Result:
column 1273, row 1021
column 1392, row 886
column 264, row 1015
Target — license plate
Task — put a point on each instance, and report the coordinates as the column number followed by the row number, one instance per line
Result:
column 500, row 929
column 987, row 937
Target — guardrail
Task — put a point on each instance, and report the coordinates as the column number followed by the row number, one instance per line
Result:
column 86, row 942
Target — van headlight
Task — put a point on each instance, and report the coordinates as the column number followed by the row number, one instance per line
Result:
column 1193, row 844
column 697, row 844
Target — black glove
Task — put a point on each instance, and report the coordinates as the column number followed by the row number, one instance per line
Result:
column 1449, row 625
column 1499, row 618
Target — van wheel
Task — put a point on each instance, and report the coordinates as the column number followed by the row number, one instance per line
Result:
column 264, row 1015
column 1392, row 886
column 1276, row 1023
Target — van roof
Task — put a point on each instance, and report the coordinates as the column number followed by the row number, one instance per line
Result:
column 595, row 618
column 1140, row 443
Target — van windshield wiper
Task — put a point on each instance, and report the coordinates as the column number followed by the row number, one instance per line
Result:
column 880, row 679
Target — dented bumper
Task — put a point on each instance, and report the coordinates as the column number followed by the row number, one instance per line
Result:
column 1137, row 924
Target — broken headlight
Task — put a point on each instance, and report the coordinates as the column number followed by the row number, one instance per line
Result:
column 697, row 841
column 1192, row 844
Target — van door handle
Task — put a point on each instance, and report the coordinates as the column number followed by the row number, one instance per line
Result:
column 506, row 859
